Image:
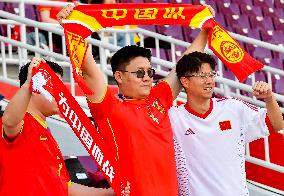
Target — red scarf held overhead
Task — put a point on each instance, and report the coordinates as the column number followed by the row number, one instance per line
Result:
column 86, row 19
column 47, row 83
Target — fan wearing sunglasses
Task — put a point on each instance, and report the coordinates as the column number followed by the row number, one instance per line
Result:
column 135, row 124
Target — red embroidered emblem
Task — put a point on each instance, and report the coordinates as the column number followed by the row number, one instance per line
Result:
column 225, row 125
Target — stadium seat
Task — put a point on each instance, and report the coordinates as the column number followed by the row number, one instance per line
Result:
column 190, row 34
column 2, row 5
column 163, row 53
column 238, row 21
column 278, row 55
column 245, row 2
column 273, row 37
column 279, row 4
column 278, row 23
column 212, row 3
column 155, row 1
column 227, row 73
column 181, row 1
column 88, row 163
column 228, row 8
column 260, row 76
column 173, row 31
column 273, row 13
column 149, row 27
column 250, row 10
column 252, row 33
column 31, row 12
column 277, row 63
column 279, row 87
column 220, row 19
column 261, row 23
column 263, row 55
column 263, row 3
column 179, row 50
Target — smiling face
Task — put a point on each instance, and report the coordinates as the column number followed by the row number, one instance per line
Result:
column 200, row 85
column 132, row 86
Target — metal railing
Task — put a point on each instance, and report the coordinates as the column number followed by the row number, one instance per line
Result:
column 224, row 85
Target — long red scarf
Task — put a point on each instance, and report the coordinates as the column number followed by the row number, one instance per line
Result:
column 88, row 18
column 47, row 83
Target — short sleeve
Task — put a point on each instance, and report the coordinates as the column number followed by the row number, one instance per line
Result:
column 7, row 141
column 256, row 122
column 163, row 92
column 101, row 109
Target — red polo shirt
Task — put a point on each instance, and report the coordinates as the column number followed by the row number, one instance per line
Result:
column 32, row 163
column 140, row 136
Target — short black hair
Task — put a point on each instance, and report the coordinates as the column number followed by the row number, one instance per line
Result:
column 124, row 55
column 191, row 63
column 24, row 71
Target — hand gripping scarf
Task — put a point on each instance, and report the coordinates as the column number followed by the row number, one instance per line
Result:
column 47, row 83
column 86, row 19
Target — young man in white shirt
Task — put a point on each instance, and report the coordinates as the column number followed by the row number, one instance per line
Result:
column 211, row 133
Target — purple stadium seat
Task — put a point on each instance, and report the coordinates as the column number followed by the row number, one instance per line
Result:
column 220, row 19
column 250, row 10
column 164, row 56
column 273, row 13
column 245, row 2
column 228, row 8
column 276, row 63
column 171, row 30
column 260, row 76
column 181, row 1
column 213, row 3
column 31, row 12
column 2, row 5
column 163, row 53
column 238, row 21
column 252, row 33
column 278, row 23
column 279, row 4
column 261, row 23
column 197, row 2
column 190, row 34
column 132, row 1
column 263, row 3
column 262, row 54
column 88, row 163
column 273, row 37
column 250, row 48
column 149, row 27
column 156, row 1
column 278, row 55
column 228, row 74
column 279, row 87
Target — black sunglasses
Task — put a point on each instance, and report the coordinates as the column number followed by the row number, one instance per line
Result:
column 140, row 73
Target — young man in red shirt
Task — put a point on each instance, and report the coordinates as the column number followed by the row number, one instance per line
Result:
column 30, row 160
column 135, row 123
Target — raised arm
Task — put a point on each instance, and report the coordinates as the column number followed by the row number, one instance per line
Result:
column 17, row 107
column 262, row 90
column 93, row 75
column 197, row 45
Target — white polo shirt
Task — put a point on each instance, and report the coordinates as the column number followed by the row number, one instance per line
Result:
column 210, row 148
